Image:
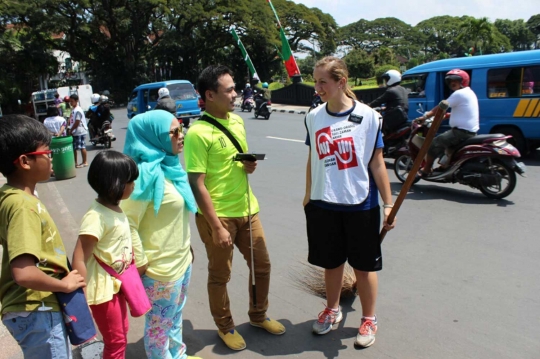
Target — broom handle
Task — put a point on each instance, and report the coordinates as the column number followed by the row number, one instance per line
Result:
column 253, row 286
column 439, row 116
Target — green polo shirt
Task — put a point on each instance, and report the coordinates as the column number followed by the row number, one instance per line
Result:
column 208, row 150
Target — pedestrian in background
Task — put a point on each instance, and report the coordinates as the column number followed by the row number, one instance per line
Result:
column 54, row 123
column 34, row 264
column 221, row 188
column 78, row 129
column 158, row 213
column 105, row 240
column 345, row 169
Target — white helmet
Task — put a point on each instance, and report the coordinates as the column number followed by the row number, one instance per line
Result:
column 95, row 98
column 248, row 85
column 391, row 77
column 162, row 92
column 103, row 99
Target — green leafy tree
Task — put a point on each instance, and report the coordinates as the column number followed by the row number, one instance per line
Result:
column 517, row 32
column 360, row 64
column 441, row 34
column 534, row 26
column 477, row 32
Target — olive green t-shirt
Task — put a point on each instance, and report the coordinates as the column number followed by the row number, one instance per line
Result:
column 208, row 150
column 27, row 228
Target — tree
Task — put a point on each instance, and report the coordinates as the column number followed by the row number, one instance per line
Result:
column 360, row 64
column 477, row 32
column 534, row 26
column 440, row 34
column 517, row 32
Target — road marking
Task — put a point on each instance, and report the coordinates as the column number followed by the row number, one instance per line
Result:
column 285, row 139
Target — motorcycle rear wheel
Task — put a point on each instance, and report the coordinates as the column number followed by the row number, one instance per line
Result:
column 506, row 185
column 402, row 168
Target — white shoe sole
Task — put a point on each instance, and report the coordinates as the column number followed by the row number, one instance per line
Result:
column 333, row 326
column 357, row 343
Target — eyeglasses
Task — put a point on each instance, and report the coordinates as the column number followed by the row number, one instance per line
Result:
column 177, row 131
column 48, row 153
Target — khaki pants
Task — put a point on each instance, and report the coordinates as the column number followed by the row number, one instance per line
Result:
column 220, row 264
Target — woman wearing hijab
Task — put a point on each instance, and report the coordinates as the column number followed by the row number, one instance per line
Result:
column 158, row 214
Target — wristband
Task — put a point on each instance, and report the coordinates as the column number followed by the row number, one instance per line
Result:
column 388, row 205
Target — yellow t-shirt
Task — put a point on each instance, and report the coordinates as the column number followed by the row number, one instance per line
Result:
column 165, row 238
column 114, row 248
column 27, row 228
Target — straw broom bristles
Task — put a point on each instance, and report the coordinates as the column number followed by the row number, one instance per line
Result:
column 310, row 279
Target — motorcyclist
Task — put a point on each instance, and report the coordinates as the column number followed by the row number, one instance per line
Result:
column 91, row 115
column 396, row 99
column 464, row 120
column 262, row 96
column 165, row 102
column 65, row 108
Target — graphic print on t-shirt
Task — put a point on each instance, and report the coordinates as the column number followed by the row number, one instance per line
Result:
column 336, row 149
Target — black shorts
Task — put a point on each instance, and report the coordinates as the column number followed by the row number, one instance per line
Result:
column 337, row 236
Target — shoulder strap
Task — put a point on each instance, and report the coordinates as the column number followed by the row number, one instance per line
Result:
column 223, row 129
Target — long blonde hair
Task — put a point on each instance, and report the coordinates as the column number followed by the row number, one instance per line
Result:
column 338, row 70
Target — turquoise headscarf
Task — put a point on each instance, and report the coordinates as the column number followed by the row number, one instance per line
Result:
column 149, row 144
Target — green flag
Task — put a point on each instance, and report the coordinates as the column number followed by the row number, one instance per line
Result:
column 245, row 54
column 286, row 52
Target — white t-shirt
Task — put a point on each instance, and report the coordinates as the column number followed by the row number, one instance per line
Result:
column 54, row 124
column 78, row 114
column 465, row 114
column 341, row 149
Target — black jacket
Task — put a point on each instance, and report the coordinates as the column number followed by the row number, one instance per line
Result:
column 393, row 97
column 166, row 103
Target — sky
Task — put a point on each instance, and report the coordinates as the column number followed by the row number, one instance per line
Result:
column 414, row 11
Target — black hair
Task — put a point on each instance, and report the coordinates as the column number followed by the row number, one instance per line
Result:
column 52, row 111
column 209, row 77
column 19, row 134
column 56, row 94
column 74, row 97
column 109, row 173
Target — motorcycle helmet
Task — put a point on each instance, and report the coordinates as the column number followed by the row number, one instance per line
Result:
column 265, row 85
column 391, row 77
column 248, row 86
column 457, row 74
column 66, row 98
column 162, row 92
column 95, row 98
column 103, row 99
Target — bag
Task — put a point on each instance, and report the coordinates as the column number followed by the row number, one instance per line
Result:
column 79, row 324
column 132, row 288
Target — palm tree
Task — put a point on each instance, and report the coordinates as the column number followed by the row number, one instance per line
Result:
column 477, row 32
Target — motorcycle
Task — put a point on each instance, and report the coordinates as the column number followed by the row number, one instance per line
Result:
column 394, row 140
column 247, row 104
column 484, row 162
column 104, row 135
column 263, row 107
column 315, row 102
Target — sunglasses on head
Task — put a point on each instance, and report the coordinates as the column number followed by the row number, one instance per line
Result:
column 177, row 131
column 48, row 153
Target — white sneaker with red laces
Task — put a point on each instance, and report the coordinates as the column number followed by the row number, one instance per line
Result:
column 327, row 318
column 366, row 332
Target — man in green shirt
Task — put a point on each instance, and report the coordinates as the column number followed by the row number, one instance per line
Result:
column 221, row 187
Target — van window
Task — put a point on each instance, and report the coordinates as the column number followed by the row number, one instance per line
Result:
column 415, row 84
column 153, row 95
column 182, row 92
column 133, row 95
column 514, row 82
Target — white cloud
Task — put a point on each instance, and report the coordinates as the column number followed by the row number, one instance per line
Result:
column 414, row 11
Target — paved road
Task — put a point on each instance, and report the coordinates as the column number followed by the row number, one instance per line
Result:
column 460, row 276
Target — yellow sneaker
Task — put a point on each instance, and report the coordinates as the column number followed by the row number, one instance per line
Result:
column 271, row 326
column 233, row 340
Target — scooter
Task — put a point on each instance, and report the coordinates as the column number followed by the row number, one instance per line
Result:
column 395, row 140
column 263, row 108
column 484, row 162
column 247, row 104
column 104, row 136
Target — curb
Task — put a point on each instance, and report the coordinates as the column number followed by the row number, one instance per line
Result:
column 298, row 112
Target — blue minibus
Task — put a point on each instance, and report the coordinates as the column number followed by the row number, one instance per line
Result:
column 144, row 97
column 507, row 86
